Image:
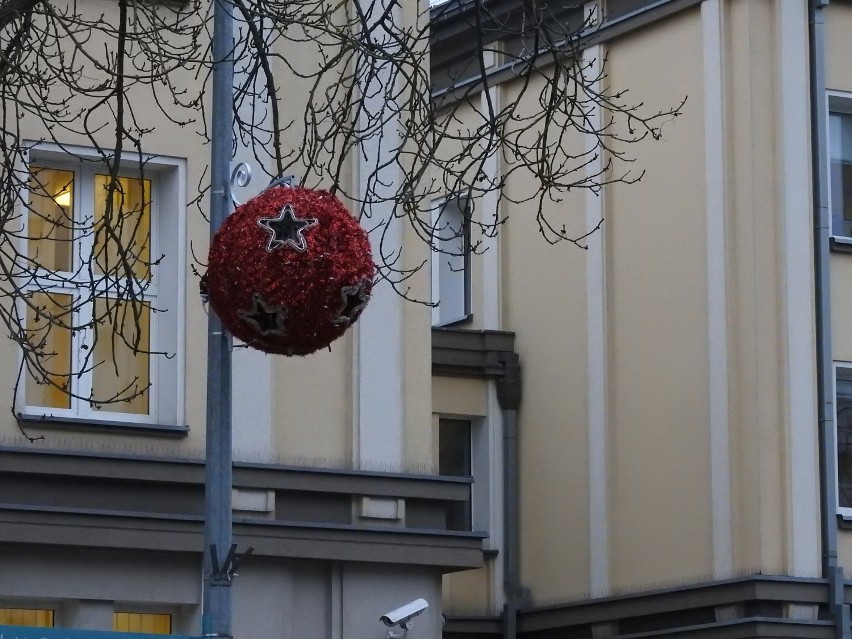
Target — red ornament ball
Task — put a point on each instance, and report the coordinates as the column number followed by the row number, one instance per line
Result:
column 289, row 271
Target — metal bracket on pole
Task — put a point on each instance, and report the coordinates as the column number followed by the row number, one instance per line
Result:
column 224, row 574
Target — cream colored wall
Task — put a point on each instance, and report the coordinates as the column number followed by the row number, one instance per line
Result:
column 167, row 140
column 544, row 302
column 760, row 428
column 459, row 396
column 471, row 592
column 656, row 324
column 312, row 397
column 661, row 436
column 672, row 432
column 417, row 354
column 838, row 24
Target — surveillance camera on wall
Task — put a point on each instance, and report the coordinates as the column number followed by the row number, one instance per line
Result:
column 403, row 615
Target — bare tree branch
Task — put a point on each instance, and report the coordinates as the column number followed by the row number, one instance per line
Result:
column 365, row 80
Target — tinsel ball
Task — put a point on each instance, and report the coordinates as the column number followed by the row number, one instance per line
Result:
column 289, row 271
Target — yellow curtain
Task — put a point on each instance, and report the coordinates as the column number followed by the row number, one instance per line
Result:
column 26, row 617
column 55, row 343
column 50, row 218
column 127, row 233
column 120, row 369
column 151, row 623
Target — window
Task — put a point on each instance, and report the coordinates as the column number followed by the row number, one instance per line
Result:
column 150, row 623
column 843, row 417
column 840, row 150
column 98, row 347
column 451, row 261
column 32, row 617
column 454, row 460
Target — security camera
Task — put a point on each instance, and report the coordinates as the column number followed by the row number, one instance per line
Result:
column 403, row 615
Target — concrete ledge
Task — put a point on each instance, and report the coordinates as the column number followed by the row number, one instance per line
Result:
column 756, row 606
column 78, row 499
column 467, row 353
column 68, row 527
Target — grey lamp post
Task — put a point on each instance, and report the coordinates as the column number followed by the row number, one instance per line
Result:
column 216, row 601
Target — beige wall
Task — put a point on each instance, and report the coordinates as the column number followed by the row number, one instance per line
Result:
column 656, row 322
column 673, row 435
column 305, row 414
column 167, row 140
column 839, row 78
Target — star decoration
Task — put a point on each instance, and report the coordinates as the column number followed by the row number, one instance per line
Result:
column 287, row 229
column 353, row 300
column 265, row 319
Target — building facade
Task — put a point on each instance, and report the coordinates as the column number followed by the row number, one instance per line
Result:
column 335, row 485
column 644, row 438
column 681, row 431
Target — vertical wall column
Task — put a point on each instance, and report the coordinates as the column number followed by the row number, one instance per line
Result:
column 379, row 409
column 596, row 360
column 252, row 370
column 491, row 287
column 716, row 188
column 803, row 554
column 491, row 282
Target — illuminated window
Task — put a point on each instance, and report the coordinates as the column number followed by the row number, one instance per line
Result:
column 90, row 236
column 151, row 623
column 26, row 617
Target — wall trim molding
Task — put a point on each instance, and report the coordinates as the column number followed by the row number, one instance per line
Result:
column 745, row 607
column 63, row 498
column 470, row 353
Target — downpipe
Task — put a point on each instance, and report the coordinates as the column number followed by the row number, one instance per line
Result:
column 831, row 568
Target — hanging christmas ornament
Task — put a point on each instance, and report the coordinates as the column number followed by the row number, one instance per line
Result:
column 289, row 271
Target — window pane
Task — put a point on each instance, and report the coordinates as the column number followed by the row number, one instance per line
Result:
column 53, row 343
column 50, row 217
column 26, row 617
column 844, row 436
column 840, row 142
column 123, row 234
column 157, row 624
column 121, row 358
column 454, row 448
column 451, row 239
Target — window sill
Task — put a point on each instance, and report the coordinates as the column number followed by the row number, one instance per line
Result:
column 455, row 323
column 840, row 244
column 102, row 426
column 844, row 519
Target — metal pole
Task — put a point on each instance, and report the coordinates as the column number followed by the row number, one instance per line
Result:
column 216, row 601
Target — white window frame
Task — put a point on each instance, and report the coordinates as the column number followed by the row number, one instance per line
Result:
column 451, row 263
column 838, row 102
column 844, row 511
column 166, row 399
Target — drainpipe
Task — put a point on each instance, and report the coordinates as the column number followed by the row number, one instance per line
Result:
column 509, row 398
column 831, row 568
